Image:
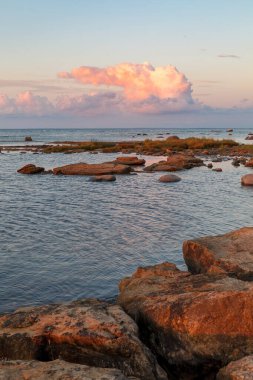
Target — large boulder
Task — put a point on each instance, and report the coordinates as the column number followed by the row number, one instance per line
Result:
column 30, row 169
column 247, row 180
column 168, row 178
column 56, row 370
column 130, row 160
column 92, row 169
column 178, row 161
column 238, row 370
column 231, row 253
column 87, row 332
column 194, row 323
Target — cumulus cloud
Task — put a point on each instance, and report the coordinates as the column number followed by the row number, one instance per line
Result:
column 137, row 81
column 25, row 103
column 131, row 88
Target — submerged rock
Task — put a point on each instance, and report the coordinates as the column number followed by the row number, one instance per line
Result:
column 28, row 138
column 87, row 332
column 231, row 253
column 194, row 323
column 56, row 370
column 237, row 370
column 92, row 169
column 30, row 169
column 169, row 178
column 247, row 180
column 217, row 170
column 130, row 160
column 103, row 178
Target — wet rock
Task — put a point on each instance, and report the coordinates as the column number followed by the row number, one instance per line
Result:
column 103, row 178
column 236, row 162
column 169, row 178
column 30, row 169
column 210, row 165
column 56, row 370
column 231, row 253
column 92, row 169
column 175, row 162
column 229, row 130
column 131, row 160
column 247, row 180
column 237, row 370
column 217, row 170
column 194, row 323
column 249, row 163
column 249, row 137
column 28, row 138
column 87, row 332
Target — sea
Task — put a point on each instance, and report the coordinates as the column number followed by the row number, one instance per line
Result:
column 64, row 238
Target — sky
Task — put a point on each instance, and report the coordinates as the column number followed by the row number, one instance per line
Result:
column 125, row 63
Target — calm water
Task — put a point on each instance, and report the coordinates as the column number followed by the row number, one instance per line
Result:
column 64, row 238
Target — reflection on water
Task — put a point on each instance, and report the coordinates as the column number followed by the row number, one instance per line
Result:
column 65, row 237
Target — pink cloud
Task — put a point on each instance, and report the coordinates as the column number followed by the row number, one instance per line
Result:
column 138, row 81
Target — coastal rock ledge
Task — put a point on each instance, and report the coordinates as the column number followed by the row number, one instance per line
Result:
column 92, row 169
column 231, row 253
column 195, row 324
column 56, row 370
column 89, row 332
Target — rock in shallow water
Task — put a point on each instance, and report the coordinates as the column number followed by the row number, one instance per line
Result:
column 87, row 332
column 30, row 169
column 56, row 370
column 92, row 169
column 169, row 178
column 103, row 178
column 130, row 160
column 247, row 180
column 194, row 323
column 231, row 253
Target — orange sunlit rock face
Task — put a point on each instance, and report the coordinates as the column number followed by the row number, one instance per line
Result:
column 194, row 322
column 86, row 332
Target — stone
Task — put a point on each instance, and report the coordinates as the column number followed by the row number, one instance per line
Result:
column 169, row 178
column 229, row 130
column 92, row 169
column 249, row 163
column 28, row 138
column 217, row 170
column 210, row 165
column 249, row 137
column 236, row 162
column 241, row 369
column 130, row 160
column 30, row 169
column 56, row 370
column 175, row 162
column 89, row 332
column 103, row 178
column 195, row 324
column 247, row 180
column 231, row 253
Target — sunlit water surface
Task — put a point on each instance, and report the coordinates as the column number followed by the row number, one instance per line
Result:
column 64, row 238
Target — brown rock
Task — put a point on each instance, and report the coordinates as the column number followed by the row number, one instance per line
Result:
column 249, row 163
column 238, row 370
column 30, row 169
column 169, row 178
column 250, row 137
column 92, row 169
column 231, row 253
column 103, row 178
column 56, row 370
column 86, row 332
column 194, row 323
column 178, row 161
column 28, row 138
column 130, row 160
column 217, row 170
column 247, row 180
column 210, row 165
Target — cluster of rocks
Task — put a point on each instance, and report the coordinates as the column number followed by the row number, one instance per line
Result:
column 166, row 324
column 175, row 162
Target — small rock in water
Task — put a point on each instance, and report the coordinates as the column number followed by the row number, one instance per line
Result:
column 247, row 180
column 217, row 170
column 210, row 165
column 169, row 178
column 30, row 169
column 28, row 138
column 103, row 178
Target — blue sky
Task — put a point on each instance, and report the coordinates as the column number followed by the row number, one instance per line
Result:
column 210, row 42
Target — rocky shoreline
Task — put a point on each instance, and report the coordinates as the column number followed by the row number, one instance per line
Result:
column 165, row 324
